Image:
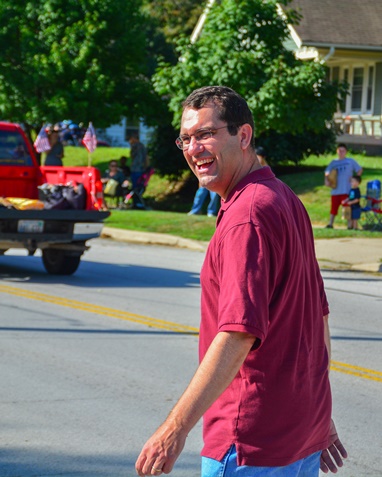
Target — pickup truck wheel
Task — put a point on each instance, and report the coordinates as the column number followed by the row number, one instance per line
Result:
column 58, row 262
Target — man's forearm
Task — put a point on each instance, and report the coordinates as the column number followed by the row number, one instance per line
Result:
column 218, row 368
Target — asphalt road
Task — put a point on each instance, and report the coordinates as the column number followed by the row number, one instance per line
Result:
column 91, row 364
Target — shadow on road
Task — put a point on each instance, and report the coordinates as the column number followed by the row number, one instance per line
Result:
column 96, row 274
column 27, row 462
column 98, row 332
column 355, row 338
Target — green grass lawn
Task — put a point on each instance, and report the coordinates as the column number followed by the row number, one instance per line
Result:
column 197, row 227
column 171, row 201
column 78, row 156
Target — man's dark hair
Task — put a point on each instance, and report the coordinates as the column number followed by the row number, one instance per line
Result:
column 341, row 144
column 232, row 108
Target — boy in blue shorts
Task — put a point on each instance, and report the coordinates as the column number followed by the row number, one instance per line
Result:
column 353, row 201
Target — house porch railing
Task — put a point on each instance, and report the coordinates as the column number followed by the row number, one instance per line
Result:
column 363, row 126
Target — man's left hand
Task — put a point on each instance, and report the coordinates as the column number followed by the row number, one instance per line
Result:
column 333, row 455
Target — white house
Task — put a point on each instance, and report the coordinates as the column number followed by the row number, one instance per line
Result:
column 347, row 36
column 117, row 134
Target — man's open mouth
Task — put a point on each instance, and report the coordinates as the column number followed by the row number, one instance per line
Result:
column 204, row 163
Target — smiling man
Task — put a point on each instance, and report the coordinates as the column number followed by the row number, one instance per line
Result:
column 262, row 384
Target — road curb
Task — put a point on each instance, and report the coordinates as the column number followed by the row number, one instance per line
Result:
column 148, row 238
column 358, row 267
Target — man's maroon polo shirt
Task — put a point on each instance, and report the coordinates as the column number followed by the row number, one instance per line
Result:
column 261, row 276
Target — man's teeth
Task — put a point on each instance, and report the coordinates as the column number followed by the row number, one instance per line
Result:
column 204, row 161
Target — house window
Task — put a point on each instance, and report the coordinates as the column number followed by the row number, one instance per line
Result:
column 370, row 82
column 356, row 93
column 361, row 84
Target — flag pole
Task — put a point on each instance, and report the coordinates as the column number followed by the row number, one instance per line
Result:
column 89, row 159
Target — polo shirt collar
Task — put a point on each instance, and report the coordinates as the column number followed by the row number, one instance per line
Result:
column 259, row 175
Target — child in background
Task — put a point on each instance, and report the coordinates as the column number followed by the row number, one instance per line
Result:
column 354, row 202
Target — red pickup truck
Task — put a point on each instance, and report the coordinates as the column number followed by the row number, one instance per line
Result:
column 60, row 234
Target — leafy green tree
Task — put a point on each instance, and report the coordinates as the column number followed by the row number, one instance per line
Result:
column 169, row 20
column 242, row 46
column 175, row 17
column 79, row 59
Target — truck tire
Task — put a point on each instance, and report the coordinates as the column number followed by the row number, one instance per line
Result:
column 59, row 262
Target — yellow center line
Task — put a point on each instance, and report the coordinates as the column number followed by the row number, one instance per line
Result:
column 345, row 368
column 356, row 371
column 100, row 310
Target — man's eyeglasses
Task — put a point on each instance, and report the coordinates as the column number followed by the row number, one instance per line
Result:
column 202, row 135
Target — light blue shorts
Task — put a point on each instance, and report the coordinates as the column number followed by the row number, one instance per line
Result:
column 308, row 467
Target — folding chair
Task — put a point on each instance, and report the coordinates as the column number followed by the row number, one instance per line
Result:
column 136, row 194
column 372, row 212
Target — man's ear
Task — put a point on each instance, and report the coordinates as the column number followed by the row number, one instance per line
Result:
column 245, row 136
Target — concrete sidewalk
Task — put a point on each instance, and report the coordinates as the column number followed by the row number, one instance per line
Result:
column 363, row 254
column 359, row 254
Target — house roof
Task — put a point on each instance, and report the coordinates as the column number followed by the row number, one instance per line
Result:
column 340, row 23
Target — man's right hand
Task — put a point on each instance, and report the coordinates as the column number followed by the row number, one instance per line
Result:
column 161, row 451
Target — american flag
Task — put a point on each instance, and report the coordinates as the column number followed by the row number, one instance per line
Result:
column 90, row 138
column 42, row 143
